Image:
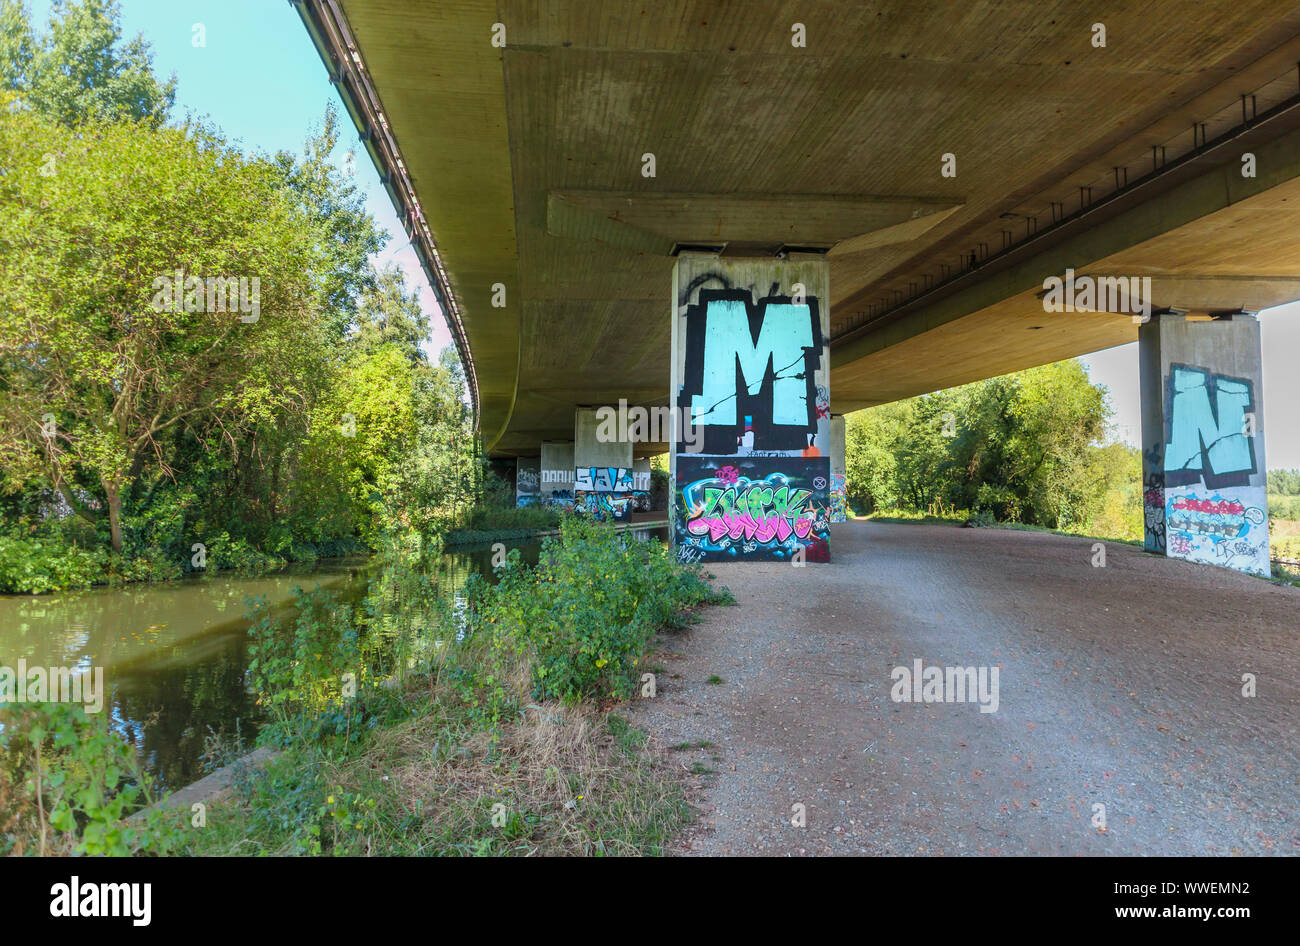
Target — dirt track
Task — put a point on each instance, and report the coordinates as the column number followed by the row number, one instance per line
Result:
column 1119, row 685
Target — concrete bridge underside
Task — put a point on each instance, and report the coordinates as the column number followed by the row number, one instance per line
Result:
column 523, row 166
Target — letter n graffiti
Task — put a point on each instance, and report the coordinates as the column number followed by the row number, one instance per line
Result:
column 1204, row 429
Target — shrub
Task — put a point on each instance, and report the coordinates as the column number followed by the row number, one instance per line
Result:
column 69, row 785
column 577, row 626
column 33, row 566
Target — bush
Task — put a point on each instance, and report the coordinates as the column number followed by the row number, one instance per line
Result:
column 486, row 518
column 33, row 566
column 489, row 523
column 68, row 785
column 577, row 626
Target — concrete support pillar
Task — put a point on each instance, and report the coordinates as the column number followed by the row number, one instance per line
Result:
column 595, row 439
column 751, row 378
column 603, row 482
column 641, row 484
column 557, row 473
column 1205, row 496
column 527, row 481
column 839, row 499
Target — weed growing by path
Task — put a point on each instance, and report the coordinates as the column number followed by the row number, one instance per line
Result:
column 486, row 736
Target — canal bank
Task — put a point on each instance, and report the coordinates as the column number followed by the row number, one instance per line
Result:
column 175, row 655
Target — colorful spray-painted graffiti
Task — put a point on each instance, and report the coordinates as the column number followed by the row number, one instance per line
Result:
column 616, row 506
column 839, row 499
column 610, row 479
column 559, row 498
column 1207, row 432
column 1205, row 500
column 1214, row 517
column 1218, row 530
column 752, row 379
column 752, row 507
column 602, row 505
column 750, row 374
column 1153, row 512
column 607, row 492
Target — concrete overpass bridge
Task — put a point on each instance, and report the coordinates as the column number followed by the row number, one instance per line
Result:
column 881, row 193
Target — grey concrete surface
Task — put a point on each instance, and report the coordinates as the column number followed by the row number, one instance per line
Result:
column 1119, row 685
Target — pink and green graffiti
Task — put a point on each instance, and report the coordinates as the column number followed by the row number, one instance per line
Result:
column 761, row 510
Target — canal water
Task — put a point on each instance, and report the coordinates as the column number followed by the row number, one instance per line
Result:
column 175, row 654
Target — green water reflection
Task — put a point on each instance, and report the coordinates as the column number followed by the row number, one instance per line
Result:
column 175, row 654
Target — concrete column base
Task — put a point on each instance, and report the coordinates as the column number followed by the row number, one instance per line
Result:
column 604, row 483
column 839, row 498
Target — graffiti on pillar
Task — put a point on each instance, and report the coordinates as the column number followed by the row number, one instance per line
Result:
column 603, row 505
column 526, row 486
column 839, row 501
column 561, row 499
column 609, row 492
column 1153, row 511
column 1218, row 529
column 1206, row 435
column 1210, row 511
column 557, row 486
column 747, row 507
column 749, row 374
column 1214, row 516
column 610, row 479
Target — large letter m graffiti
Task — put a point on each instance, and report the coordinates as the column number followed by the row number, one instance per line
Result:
column 1207, row 432
column 753, row 364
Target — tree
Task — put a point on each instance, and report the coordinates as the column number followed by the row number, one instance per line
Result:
column 871, row 467
column 345, row 234
column 388, row 315
column 81, row 70
column 101, row 359
column 1022, row 446
column 16, row 46
column 1284, row 482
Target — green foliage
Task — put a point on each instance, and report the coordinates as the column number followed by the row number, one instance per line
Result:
column 81, row 70
column 343, row 233
column 577, row 626
column 33, row 566
column 1021, row 448
column 1283, row 506
column 445, row 725
column 156, row 421
column 69, row 785
column 660, row 484
column 388, row 315
column 93, row 341
column 299, row 673
column 1284, row 483
column 492, row 523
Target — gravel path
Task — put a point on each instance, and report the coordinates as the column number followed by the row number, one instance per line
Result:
column 1119, row 685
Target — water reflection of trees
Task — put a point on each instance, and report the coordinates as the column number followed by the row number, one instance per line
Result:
column 178, row 653
column 168, row 712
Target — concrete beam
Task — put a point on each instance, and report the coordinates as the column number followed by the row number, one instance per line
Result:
column 1106, row 232
column 655, row 223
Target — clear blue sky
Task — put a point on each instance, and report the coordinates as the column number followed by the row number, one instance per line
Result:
column 260, row 80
